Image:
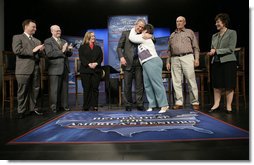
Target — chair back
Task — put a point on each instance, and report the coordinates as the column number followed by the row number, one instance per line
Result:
column 77, row 64
column 240, row 56
column 164, row 63
column 204, row 65
column 9, row 62
column 204, row 62
column 44, row 65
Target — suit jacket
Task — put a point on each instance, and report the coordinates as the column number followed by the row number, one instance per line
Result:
column 23, row 47
column 225, row 46
column 57, row 60
column 126, row 49
column 88, row 55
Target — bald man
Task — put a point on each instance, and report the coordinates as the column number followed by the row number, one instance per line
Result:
column 183, row 55
column 58, row 51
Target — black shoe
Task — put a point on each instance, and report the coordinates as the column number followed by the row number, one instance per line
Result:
column 20, row 116
column 128, row 108
column 229, row 111
column 213, row 110
column 140, row 108
column 84, row 109
column 95, row 108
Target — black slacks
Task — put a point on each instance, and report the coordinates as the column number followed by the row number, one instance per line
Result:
column 90, row 83
column 134, row 74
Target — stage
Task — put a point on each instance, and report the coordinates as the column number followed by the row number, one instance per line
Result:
column 216, row 149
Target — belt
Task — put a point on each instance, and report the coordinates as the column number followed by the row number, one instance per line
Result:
column 181, row 54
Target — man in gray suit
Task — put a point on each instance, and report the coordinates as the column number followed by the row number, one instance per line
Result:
column 58, row 51
column 28, row 50
column 127, row 53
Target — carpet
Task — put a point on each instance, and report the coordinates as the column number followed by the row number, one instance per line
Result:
column 128, row 127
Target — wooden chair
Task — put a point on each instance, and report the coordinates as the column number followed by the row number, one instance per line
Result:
column 120, row 84
column 240, row 76
column 167, row 74
column 77, row 77
column 44, row 77
column 9, row 63
column 202, row 73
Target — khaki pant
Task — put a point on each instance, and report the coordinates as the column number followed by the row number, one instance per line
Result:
column 184, row 66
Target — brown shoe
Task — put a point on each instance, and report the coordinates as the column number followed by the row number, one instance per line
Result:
column 195, row 107
column 178, row 107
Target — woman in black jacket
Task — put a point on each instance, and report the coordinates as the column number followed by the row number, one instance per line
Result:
column 91, row 57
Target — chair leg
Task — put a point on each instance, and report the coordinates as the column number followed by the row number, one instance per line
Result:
column 202, row 90
column 11, row 96
column 4, row 97
column 42, row 91
column 237, row 93
column 76, row 91
column 120, row 92
column 169, row 89
column 244, row 92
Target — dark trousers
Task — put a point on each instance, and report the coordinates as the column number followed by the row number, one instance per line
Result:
column 28, row 90
column 58, row 94
column 136, row 74
column 90, row 83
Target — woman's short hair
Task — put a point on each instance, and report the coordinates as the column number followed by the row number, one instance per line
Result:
column 149, row 28
column 224, row 17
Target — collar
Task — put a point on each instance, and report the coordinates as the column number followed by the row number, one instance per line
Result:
column 183, row 30
column 56, row 38
column 27, row 35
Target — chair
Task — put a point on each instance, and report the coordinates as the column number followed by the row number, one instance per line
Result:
column 202, row 72
column 105, row 77
column 121, row 78
column 167, row 74
column 77, row 77
column 240, row 76
column 9, row 63
column 44, row 76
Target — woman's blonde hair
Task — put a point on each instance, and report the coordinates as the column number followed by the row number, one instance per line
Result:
column 87, row 37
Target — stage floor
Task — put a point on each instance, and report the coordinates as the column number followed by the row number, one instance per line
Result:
column 181, row 150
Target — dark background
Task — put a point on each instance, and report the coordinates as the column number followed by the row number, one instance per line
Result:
column 76, row 16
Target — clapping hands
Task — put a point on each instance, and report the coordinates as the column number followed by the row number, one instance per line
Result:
column 39, row 48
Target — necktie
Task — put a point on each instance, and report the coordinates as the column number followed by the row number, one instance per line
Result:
column 59, row 42
column 31, row 39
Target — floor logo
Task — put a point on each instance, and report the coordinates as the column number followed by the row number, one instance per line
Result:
column 128, row 125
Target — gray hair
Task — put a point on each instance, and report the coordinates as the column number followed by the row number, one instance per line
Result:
column 53, row 27
column 140, row 20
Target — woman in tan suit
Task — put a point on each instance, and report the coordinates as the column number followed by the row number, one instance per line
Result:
column 224, row 64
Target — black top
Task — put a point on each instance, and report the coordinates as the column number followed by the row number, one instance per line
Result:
column 88, row 55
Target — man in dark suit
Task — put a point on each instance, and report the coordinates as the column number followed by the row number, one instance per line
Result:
column 58, row 51
column 28, row 50
column 127, row 53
